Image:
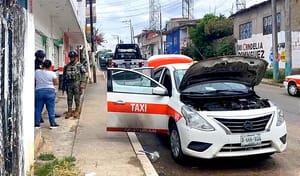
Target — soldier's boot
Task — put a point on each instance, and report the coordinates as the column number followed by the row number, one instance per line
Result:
column 77, row 113
column 69, row 113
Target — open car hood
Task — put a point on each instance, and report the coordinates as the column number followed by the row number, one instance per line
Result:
column 245, row 70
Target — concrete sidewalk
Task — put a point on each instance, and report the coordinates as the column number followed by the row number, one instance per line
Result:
column 95, row 150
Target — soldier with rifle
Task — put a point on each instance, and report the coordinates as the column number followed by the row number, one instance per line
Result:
column 74, row 81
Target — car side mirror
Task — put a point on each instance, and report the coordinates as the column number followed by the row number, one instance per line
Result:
column 159, row 91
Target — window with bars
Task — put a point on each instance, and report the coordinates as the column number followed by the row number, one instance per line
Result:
column 245, row 30
column 267, row 24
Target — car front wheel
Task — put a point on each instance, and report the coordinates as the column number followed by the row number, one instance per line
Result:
column 292, row 89
column 175, row 144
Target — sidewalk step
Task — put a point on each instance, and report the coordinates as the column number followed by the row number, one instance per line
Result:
column 38, row 141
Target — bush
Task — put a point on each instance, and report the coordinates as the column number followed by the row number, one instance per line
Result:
column 269, row 75
column 46, row 157
column 56, row 167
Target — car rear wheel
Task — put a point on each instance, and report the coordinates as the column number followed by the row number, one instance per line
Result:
column 292, row 89
column 175, row 144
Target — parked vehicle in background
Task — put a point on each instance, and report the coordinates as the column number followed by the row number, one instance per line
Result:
column 127, row 56
column 292, row 84
column 105, row 59
column 209, row 108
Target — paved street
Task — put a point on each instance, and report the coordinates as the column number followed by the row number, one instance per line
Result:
column 286, row 163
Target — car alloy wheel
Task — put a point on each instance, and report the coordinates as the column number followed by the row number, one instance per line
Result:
column 176, row 151
column 292, row 89
column 175, row 143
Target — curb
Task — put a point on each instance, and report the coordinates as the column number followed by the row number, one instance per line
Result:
column 142, row 157
column 272, row 83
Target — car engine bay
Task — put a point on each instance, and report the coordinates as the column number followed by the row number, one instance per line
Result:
column 225, row 104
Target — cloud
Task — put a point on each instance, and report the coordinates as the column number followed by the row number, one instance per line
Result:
column 111, row 13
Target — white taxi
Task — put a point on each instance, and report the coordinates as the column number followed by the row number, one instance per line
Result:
column 209, row 108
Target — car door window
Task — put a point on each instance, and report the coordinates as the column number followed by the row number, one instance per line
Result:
column 157, row 74
column 166, row 81
column 127, row 81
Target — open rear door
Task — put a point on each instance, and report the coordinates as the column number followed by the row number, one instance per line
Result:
column 135, row 102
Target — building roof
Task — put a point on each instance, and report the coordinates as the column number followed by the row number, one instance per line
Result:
column 187, row 23
column 251, row 8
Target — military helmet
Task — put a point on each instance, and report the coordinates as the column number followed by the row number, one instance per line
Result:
column 40, row 54
column 73, row 54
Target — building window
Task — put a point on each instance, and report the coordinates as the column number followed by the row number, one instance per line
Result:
column 267, row 24
column 23, row 3
column 245, row 30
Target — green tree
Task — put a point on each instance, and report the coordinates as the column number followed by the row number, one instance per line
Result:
column 207, row 34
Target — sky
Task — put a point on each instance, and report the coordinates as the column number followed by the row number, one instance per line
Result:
column 113, row 16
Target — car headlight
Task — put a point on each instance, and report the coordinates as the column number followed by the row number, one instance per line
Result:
column 194, row 120
column 280, row 117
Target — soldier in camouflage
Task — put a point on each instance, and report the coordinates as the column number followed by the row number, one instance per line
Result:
column 74, row 82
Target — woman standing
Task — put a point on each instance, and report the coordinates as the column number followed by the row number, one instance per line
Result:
column 45, row 80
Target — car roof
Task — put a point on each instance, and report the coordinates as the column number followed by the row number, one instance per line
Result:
column 165, row 59
column 177, row 66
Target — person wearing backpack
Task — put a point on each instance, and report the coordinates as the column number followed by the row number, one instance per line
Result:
column 74, row 81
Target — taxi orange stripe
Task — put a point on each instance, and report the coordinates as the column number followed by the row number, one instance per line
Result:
column 144, row 108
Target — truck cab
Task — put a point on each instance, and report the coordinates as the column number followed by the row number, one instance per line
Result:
column 127, row 56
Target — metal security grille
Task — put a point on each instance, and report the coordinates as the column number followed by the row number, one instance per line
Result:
column 246, row 125
column 238, row 148
column 12, row 32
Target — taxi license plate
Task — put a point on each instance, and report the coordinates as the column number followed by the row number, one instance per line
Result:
column 250, row 140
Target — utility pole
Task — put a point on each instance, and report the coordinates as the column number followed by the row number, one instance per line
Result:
column 131, row 30
column 274, row 41
column 288, row 38
column 161, row 33
column 118, row 38
column 92, row 41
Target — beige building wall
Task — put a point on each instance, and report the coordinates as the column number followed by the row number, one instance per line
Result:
column 260, row 45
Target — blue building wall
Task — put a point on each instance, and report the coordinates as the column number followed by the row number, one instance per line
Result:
column 173, row 42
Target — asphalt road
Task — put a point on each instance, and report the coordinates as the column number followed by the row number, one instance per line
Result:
column 285, row 164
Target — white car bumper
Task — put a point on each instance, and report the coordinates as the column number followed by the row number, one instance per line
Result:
column 220, row 144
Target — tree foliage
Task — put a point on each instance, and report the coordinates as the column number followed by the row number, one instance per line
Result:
column 98, row 37
column 207, row 34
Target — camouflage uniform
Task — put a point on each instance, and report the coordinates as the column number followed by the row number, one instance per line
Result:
column 74, row 78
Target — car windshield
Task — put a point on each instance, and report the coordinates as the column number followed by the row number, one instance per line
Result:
column 217, row 87
column 178, row 74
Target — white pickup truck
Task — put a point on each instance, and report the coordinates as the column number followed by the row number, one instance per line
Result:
column 127, row 56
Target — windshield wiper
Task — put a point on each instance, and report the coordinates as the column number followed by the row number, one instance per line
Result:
column 226, row 92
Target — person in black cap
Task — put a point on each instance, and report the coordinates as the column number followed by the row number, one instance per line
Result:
column 74, row 82
column 38, row 64
column 39, row 59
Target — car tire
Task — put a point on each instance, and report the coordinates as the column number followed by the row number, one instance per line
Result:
column 175, row 145
column 292, row 89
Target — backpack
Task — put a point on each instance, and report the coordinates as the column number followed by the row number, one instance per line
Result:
column 72, row 72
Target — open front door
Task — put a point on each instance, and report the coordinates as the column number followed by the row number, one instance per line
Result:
column 135, row 102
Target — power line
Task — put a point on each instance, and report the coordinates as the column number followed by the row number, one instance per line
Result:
column 146, row 8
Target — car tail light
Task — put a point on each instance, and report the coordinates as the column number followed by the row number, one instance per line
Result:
column 141, row 64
